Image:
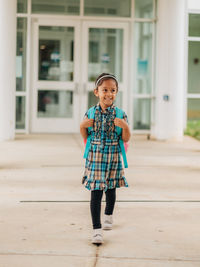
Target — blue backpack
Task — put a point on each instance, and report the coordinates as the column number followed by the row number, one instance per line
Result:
column 119, row 114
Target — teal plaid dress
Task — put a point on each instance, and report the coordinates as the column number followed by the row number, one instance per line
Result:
column 103, row 167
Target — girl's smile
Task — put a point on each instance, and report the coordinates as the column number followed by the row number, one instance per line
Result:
column 106, row 92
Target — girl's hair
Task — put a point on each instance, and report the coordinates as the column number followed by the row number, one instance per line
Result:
column 100, row 79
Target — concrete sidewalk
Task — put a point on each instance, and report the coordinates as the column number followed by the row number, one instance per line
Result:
column 44, row 209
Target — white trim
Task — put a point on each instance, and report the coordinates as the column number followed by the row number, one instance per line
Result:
column 81, row 8
column 89, row 18
column 193, row 96
column 22, row 15
column 144, row 20
column 194, row 39
column 20, row 93
column 193, row 11
column 132, row 9
column 28, row 70
column 29, row 7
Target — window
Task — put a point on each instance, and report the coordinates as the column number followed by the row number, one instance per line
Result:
column 20, row 112
column 193, row 103
column 142, row 90
column 144, row 9
column 62, row 7
column 111, row 8
column 21, row 51
column 21, row 54
column 22, row 6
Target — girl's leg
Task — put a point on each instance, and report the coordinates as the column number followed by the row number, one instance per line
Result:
column 95, row 208
column 110, row 201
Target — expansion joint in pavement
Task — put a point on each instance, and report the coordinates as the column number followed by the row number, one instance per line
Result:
column 96, row 256
column 126, row 201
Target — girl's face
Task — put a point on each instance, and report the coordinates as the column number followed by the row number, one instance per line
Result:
column 106, row 92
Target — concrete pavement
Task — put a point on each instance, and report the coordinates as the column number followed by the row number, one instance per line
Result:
column 44, row 209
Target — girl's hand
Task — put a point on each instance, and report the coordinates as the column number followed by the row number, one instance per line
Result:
column 87, row 123
column 120, row 123
column 126, row 134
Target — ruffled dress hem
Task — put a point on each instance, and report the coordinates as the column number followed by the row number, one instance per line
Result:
column 104, row 185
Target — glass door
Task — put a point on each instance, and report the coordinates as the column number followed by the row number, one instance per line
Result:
column 55, row 92
column 105, row 49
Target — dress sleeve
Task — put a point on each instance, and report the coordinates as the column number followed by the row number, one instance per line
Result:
column 86, row 115
column 125, row 117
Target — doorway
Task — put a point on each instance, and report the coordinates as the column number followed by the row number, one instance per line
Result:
column 68, row 55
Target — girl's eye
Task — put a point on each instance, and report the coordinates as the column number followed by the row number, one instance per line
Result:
column 113, row 90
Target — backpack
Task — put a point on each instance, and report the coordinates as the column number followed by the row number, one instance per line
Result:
column 119, row 114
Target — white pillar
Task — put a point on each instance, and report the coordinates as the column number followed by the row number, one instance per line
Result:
column 7, row 68
column 170, row 69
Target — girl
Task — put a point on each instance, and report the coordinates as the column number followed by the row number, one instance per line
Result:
column 103, row 168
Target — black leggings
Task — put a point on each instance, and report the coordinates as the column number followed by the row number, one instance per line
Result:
column 95, row 205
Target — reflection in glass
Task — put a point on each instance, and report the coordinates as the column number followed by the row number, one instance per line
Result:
column 93, row 100
column 144, row 9
column 143, row 58
column 55, row 104
column 65, row 7
column 193, row 109
column 21, row 6
column 194, row 25
column 117, row 8
column 142, row 114
column 118, row 100
column 105, row 52
column 20, row 112
column 56, row 53
column 21, row 54
column 194, row 67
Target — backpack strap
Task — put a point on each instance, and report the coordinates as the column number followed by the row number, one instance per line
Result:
column 120, row 115
column 91, row 113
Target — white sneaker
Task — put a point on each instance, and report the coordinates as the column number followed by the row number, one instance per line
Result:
column 108, row 221
column 97, row 237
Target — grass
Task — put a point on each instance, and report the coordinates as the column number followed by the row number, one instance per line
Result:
column 193, row 129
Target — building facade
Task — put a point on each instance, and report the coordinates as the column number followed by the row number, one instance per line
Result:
column 47, row 75
column 193, row 77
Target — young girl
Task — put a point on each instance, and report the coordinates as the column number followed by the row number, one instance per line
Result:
column 103, row 168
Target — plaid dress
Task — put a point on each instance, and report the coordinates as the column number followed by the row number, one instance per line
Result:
column 103, row 167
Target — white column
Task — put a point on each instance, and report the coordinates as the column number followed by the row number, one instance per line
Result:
column 170, row 69
column 7, row 68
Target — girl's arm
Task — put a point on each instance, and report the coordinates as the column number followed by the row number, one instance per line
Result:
column 84, row 125
column 126, row 134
